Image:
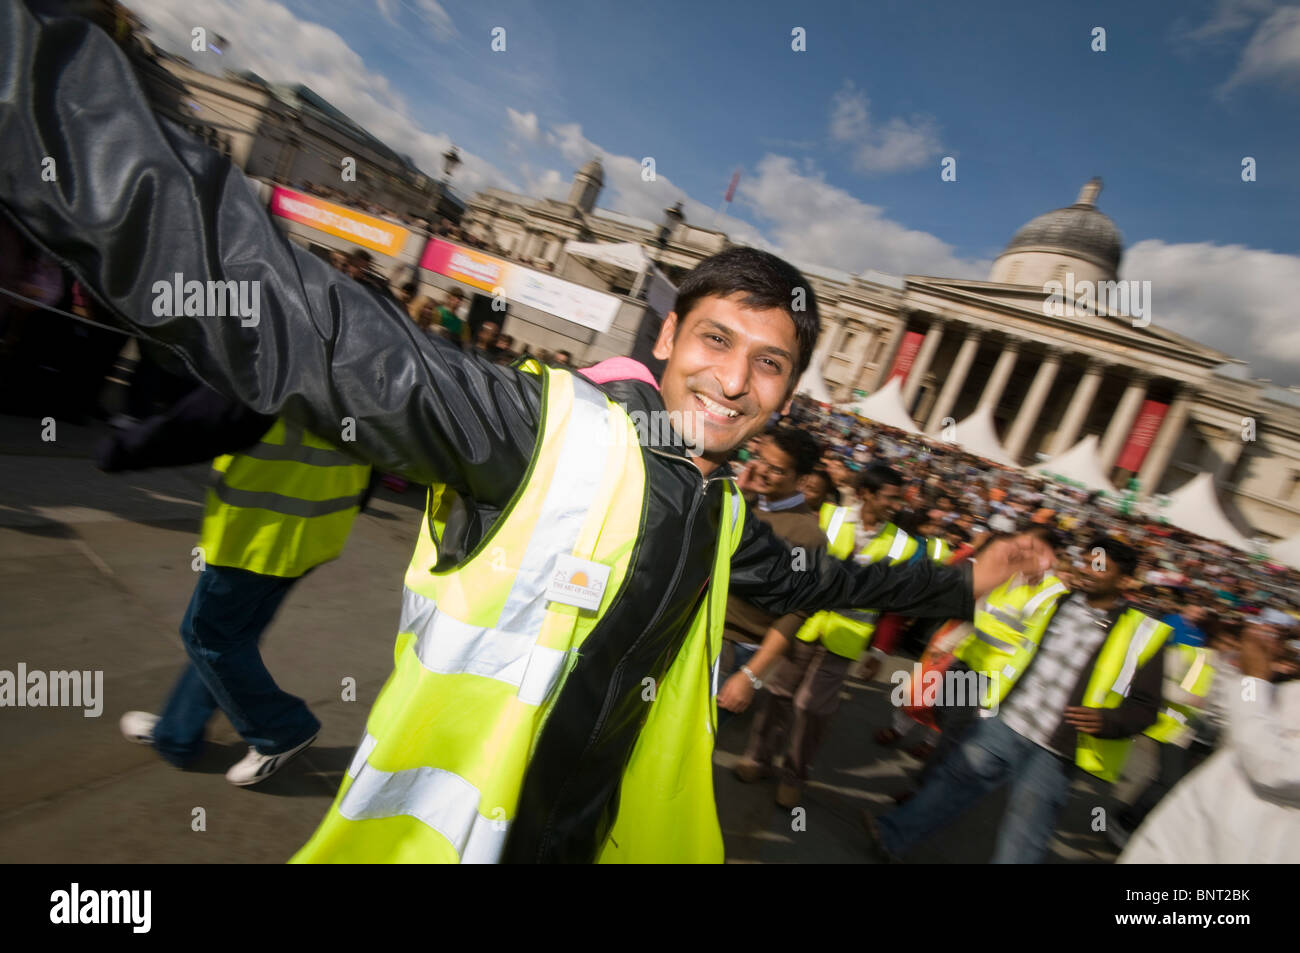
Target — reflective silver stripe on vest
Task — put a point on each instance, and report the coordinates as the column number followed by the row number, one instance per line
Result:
column 1145, row 631
column 838, row 516
column 1194, row 672
column 1009, row 619
column 865, row 616
column 507, row 651
column 1032, row 605
column 439, row 799
column 994, row 641
column 279, row 503
column 451, row 647
column 898, row 544
column 314, row 456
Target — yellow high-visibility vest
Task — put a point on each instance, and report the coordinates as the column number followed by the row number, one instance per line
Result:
column 1008, row 627
column 1132, row 642
column 848, row 632
column 1188, row 668
column 483, row 652
column 282, row 506
column 839, row 529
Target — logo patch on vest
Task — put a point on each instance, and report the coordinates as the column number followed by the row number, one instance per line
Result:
column 577, row 582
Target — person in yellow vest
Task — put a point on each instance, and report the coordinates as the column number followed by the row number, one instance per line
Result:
column 1073, row 681
column 282, row 503
column 553, row 690
column 1185, row 710
column 804, row 693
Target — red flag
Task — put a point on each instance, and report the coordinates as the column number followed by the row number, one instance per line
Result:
column 731, row 189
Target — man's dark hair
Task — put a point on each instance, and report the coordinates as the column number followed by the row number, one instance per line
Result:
column 877, row 475
column 767, row 282
column 832, row 491
column 1121, row 554
column 799, row 446
column 1057, row 539
column 360, row 255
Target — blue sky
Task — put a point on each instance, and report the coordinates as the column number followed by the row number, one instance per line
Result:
column 840, row 146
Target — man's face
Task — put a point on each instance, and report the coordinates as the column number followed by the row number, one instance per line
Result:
column 838, row 470
column 814, row 488
column 880, row 505
column 774, row 474
column 729, row 368
column 487, row 333
column 1098, row 582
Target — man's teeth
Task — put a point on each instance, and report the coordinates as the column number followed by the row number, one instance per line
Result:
column 716, row 407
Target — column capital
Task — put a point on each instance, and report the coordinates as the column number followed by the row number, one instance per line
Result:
column 971, row 331
column 1139, row 375
column 1055, row 352
column 1011, row 343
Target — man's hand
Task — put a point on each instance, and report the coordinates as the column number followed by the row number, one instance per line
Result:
column 998, row 562
column 737, row 693
column 1087, row 720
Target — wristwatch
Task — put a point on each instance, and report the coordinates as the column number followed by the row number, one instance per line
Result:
column 754, row 679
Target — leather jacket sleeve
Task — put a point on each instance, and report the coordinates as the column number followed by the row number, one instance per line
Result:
column 765, row 572
column 136, row 202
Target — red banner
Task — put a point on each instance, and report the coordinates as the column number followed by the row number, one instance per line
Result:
column 906, row 355
column 1142, row 435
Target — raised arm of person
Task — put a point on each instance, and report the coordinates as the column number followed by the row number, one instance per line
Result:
column 765, row 572
column 133, row 205
column 1265, row 741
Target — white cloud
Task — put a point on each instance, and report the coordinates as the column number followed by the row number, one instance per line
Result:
column 433, row 14
column 893, row 146
column 1235, row 299
column 523, row 125
column 814, row 221
column 267, row 38
column 1230, row 16
column 1273, row 53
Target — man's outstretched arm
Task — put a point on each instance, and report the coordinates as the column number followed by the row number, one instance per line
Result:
column 767, row 573
column 134, row 202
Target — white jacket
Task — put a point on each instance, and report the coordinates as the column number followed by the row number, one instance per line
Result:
column 1243, row 804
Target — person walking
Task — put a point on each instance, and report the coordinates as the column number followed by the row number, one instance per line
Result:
column 1075, row 680
column 283, row 502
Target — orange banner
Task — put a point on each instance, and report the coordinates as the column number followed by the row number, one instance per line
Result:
column 339, row 221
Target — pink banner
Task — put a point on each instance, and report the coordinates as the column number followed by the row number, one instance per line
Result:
column 906, row 355
column 1142, row 435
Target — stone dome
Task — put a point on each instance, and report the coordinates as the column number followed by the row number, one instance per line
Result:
column 1077, row 231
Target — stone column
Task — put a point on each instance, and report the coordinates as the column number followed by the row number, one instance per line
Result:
column 933, row 338
column 1084, row 394
column 1001, row 374
column 872, row 332
column 888, row 355
column 1125, row 414
column 956, row 378
column 1032, row 407
column 1162, row 448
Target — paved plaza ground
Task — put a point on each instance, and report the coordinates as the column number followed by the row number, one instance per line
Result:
column 95, row 573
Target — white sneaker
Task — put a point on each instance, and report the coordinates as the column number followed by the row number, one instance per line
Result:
column 137, row 727
column 256, row 767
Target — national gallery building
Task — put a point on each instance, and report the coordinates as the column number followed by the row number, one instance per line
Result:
column 1045, row 368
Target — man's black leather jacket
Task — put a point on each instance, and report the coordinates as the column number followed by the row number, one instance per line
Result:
column 137, row 201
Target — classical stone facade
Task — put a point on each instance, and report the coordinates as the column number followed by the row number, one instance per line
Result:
column 1047, row 376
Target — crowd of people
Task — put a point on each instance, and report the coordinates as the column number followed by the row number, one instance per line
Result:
column 1223, row 625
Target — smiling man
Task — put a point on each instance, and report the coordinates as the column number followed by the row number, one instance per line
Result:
column 552, row 694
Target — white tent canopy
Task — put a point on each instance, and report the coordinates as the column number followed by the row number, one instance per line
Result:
column 1195, row 508
column 813, row 384
column 1079, row 464
column 976, row 434
column 885, row 406
column 626, row 255
column 1286, row 551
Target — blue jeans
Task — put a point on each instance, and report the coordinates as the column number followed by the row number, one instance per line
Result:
column 991, row 755
column 228, row 613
